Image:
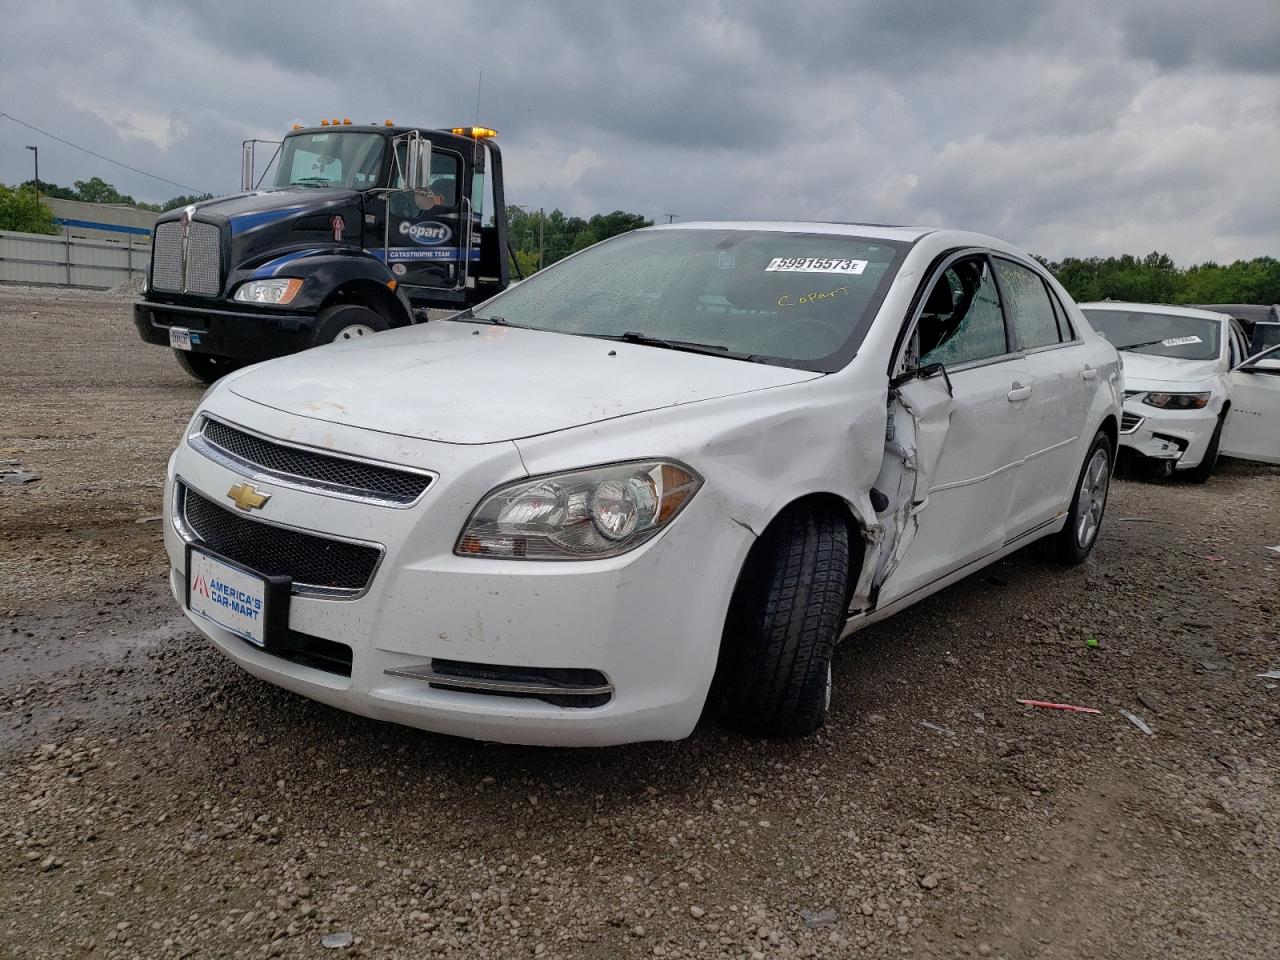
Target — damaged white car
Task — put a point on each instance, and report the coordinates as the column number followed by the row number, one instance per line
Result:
column 1191, row 391
column 671, row 470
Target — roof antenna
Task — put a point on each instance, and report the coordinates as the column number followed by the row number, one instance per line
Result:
column 475, row 156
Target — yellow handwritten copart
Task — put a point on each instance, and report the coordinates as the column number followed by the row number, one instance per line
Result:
column 814, row 297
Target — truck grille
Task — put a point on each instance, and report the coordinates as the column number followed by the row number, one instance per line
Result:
column 324, row 472
column 201, row 272
column 317, row 565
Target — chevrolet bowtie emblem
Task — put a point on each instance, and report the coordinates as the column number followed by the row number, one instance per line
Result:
column 248, row 497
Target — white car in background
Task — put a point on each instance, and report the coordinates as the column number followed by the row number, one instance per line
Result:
column 670, row 470
column 1191, row 393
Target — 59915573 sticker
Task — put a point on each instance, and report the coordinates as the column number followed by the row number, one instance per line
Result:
column 815, row 265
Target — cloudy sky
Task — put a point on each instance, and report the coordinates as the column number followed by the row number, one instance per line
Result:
column 1087, row 127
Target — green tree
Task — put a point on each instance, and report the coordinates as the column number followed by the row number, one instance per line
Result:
column 97, row 190
column 20, row 212
column 182, row 201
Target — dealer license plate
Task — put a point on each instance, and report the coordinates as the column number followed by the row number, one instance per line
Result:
column 233, row 598
column 180, row 338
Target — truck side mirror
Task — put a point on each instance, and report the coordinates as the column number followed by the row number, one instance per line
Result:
column 246, row 166
column 419, row 161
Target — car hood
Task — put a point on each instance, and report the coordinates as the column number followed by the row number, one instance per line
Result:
column 466, row 383
column 1145, row 371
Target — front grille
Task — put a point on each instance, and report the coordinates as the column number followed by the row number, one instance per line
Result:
column 316, row 564
column 337, row 474
column 204, row 253
column 1130, row 422
column 201, row 273
column 166, row 257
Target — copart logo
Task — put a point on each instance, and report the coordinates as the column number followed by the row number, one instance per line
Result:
column 428, row 234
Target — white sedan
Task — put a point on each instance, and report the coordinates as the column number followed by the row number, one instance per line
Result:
column 1191, row 393
column 671, row 470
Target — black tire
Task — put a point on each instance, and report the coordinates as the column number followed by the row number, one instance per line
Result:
column 1203, row 470
column 786, row 613
column 346, row 321
column 207, row 367
column 1070, row 546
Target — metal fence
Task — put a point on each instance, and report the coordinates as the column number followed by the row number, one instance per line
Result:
column 67, row 261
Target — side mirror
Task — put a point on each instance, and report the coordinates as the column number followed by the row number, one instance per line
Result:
column 419, row 161
column 246, row 166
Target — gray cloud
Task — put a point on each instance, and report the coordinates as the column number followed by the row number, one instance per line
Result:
column 1067, row 127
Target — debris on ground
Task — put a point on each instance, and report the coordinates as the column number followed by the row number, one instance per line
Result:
column 813, row 919
column 1138, row 722
column 336, row 941
column 1216, row 558
column 1046, row 705
column 1091, row 641
column 18, row 476
column 1270, row 675
column 936, row 728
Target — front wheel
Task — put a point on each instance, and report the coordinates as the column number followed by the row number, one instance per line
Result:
column 206, row 367
column 347, row 321
column 1074, row 543
column 785, row 615
column 1203, row 470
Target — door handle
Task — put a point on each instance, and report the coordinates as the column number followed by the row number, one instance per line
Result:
column 1089, row 373
column 1019, row 392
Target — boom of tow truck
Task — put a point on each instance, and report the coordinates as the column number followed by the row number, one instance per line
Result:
column 363, row 229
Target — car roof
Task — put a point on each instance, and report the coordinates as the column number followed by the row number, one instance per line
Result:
column 870, row 231
column 1166, row 308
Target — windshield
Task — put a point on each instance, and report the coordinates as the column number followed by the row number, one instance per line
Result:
column 1163, row 334
column 337, row 159
column 791, row 298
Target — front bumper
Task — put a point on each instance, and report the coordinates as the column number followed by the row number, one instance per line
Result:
column 1182, row 436
column 242, row 334
column 649, row 621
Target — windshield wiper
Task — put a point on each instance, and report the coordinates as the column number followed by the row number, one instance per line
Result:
column 1139, row 346
column 685, row 346
column 467, row 316
column 312, row 181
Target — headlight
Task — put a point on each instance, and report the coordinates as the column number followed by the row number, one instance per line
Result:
column 583, row 515
column 268, row 291
column 1177, row 401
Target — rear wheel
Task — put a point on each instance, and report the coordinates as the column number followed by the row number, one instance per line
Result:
column 347, row 321
column 206, row 367
column 1075, row 541
column 1203, row 470
column 786, row 612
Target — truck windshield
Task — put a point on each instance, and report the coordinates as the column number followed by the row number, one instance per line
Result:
column 795, row 299
column 1163, row 334
column 330, row 159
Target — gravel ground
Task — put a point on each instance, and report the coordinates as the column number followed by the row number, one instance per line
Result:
column 155, row 801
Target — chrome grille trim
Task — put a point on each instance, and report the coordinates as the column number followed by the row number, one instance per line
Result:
column 166, row 257
column 1130, row 422
column 204, row 259
column 190, row 263
column 306, row 468
column 189, row 533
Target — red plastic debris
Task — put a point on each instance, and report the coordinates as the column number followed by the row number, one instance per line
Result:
column 1058, row 706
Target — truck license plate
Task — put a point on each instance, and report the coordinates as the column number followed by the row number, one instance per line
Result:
column 233, row 598
column 180, row 338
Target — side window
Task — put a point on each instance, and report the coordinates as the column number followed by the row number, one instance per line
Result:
column 961, row 320
column 1065, row 332
column 1030, row 309
column 1233, row 346
column 445, row 168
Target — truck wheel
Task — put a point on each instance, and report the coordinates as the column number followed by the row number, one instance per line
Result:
column 786, row 612
column 1073, row 544
column 1203, row 470
column 346, row 321
column 206, row 367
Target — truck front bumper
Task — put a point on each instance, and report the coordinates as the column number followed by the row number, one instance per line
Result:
column 242, row 334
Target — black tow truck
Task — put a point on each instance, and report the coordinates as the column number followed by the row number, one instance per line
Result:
column 364, row 229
